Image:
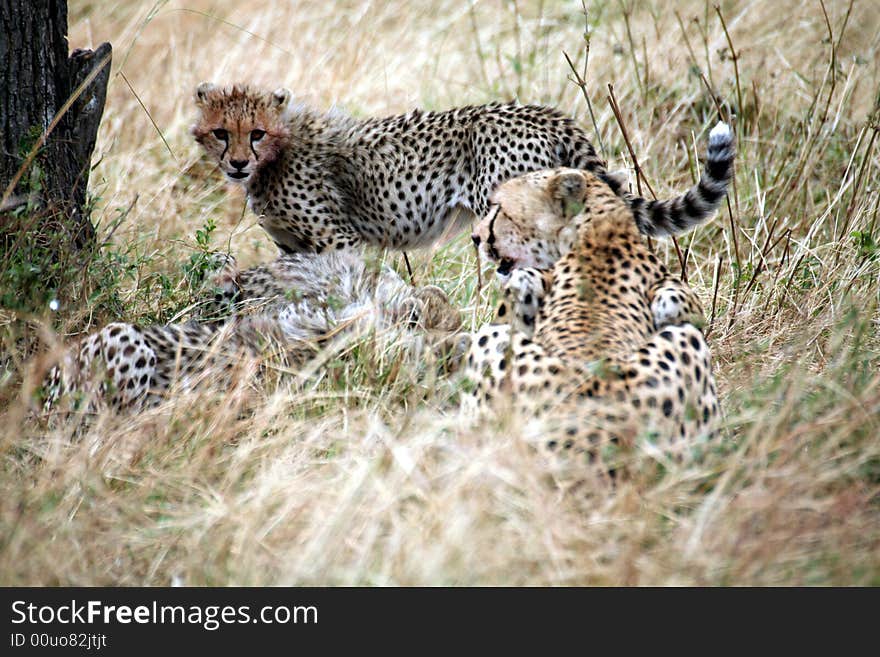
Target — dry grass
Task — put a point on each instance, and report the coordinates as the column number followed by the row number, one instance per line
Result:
column 366, row 475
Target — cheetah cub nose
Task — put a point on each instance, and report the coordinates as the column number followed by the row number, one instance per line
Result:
column 476, row 240
column 238, row 164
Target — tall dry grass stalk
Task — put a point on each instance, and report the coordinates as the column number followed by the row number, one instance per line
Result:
column 365, row 474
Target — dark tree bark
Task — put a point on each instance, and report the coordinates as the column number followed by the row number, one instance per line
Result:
column 36, row 79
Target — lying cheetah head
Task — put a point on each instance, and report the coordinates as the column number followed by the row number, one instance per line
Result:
column 241, row 128
column 532, row 221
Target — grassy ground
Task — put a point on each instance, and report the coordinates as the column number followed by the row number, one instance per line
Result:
column 366, row 475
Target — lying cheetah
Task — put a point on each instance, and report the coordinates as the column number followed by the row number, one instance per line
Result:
column 291, row 307
column 606, row 344
column 311, row 294
column 326, row 181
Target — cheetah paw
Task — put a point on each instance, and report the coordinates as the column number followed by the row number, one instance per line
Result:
column 432, row 310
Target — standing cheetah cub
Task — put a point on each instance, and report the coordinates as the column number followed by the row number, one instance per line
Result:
column 326, row 181
column 604, row 344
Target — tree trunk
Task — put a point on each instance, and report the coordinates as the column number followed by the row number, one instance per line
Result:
column 37, row 78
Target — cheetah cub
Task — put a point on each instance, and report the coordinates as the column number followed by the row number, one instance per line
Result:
column 325, row 181
column 604, row 345
column 286, row 310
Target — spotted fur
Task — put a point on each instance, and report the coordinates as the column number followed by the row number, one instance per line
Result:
column 290, row 308
column 605, row 346
column 326, row 181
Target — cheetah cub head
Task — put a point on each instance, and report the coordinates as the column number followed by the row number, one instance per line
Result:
column 242, row 128
column 534, row 219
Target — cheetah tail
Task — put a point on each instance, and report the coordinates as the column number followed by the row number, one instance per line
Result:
column 680, row 214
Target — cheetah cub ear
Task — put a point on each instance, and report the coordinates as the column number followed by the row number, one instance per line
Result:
column 203, row 90
column 569, row 187
column 280, row 98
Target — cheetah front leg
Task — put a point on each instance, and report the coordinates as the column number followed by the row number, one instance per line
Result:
column 522, row 298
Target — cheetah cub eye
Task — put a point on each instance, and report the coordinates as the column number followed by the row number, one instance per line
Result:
column 221, row 134
column 257, row 135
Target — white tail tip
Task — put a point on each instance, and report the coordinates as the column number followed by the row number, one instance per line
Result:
column 721, row 133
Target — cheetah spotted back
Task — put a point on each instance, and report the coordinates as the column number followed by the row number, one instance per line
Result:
column 326, row 181
column 605, row 346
